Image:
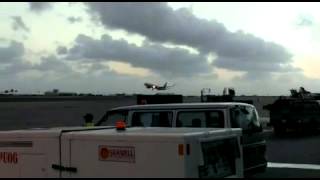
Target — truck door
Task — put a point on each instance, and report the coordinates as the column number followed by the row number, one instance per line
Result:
column 254, row 144
column 221, row 158
column 35, row 170
column 111, row 117
column 74, row 155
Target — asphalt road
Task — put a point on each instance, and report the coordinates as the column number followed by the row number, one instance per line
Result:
column 22, row 115
column 295, row 155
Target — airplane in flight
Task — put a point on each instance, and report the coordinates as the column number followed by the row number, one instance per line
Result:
column 156, row 87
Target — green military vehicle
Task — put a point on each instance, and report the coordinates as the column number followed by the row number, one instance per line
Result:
column 300, row 112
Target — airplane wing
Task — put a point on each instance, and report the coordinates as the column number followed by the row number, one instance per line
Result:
column 156, row 87
column 168, row 87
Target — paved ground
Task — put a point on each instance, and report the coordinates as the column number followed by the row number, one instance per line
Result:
column 292, row 156
column 288, row 173
column 20, row 115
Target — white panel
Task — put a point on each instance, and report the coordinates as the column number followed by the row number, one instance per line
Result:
column 33, row 166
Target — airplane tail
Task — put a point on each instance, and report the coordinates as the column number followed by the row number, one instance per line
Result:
column 165, row 85
column 170, row 86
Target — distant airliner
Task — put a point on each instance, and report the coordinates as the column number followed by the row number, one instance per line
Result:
column 156, row 87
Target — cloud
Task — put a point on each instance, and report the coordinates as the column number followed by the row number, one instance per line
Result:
column 15, row 67
column 168, row 62
column 51, row 69
column 53, row 72
column 40, row 6
column 62, row 50
column 12, row 61
column 305, row 21
column 3, row 39
column 160, row 23
column 52, row 63
column 72, row 19
column 98, row 67
column 13, row 52
column 279, row 84
column 19, row 24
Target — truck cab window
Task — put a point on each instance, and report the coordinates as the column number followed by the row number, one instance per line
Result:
column 113, row 116
column 200, row 119
column 245, row 117
column 152, row 119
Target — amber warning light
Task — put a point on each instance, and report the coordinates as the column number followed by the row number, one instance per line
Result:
column 121, row 125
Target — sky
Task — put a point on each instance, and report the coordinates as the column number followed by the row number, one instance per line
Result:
column 264, row 48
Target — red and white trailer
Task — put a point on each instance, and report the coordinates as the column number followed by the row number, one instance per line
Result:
column 132, row 152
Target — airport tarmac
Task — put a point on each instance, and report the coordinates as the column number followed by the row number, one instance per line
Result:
column 22, row 115
column 292, row 156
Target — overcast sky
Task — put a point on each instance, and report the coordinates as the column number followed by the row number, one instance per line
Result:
column 103, row 47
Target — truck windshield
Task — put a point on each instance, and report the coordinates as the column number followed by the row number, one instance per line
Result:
column 245, row 117
column 113, row 116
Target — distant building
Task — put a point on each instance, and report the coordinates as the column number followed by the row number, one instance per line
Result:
column 67, row 94
column 55, row 92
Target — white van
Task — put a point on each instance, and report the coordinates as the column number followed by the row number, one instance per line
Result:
column 205, row 115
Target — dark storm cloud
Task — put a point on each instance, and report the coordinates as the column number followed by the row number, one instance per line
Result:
column 12, row 61
column 19, row 24
column 62, row 50
column 40, row 6
column 165, row 61
column 72, row 19
column 52, row 63
column 12, row 53
column 15, row 68
column 160, row 23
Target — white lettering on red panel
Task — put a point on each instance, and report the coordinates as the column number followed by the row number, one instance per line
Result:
column 117, row 154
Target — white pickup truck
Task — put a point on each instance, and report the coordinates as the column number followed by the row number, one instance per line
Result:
column 132, row 152
column 204, row 115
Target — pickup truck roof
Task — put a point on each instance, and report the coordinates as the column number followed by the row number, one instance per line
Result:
column 182, row 106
